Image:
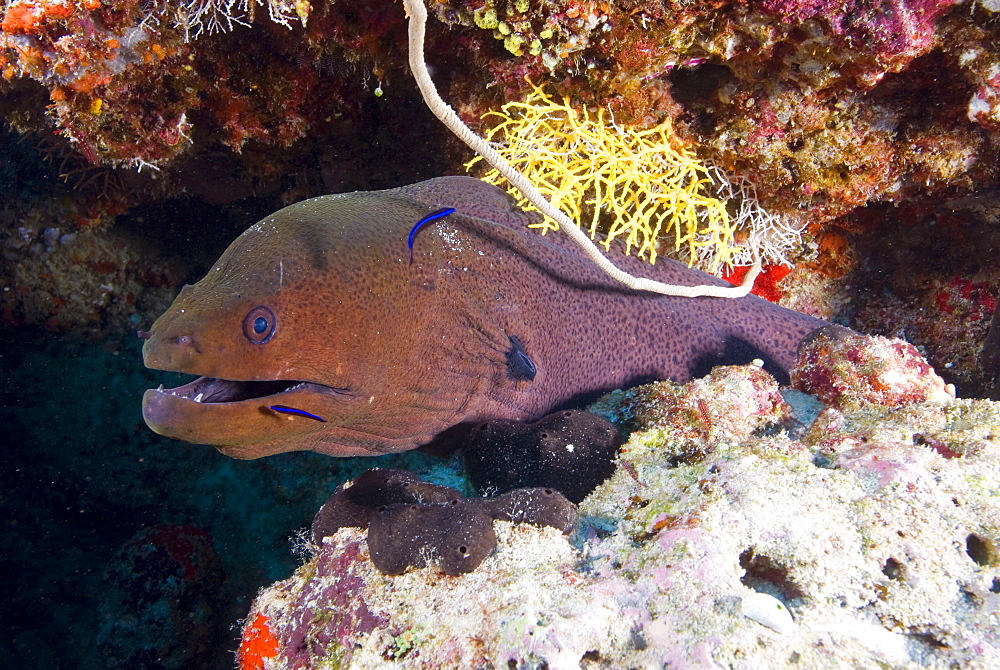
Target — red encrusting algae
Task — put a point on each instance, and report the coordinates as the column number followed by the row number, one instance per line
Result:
column 767, row 284
column 257, row 644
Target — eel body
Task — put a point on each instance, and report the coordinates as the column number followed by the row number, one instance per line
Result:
column 319, row 308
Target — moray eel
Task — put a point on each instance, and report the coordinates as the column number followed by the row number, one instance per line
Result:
column 317, row 308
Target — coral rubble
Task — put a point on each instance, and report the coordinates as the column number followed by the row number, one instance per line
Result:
column 876, row 528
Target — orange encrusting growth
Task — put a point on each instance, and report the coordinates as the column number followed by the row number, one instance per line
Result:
column 257, row 644
column 27, row 17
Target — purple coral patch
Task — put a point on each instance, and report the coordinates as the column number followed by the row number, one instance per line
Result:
column 326, row 612
column 890, row 27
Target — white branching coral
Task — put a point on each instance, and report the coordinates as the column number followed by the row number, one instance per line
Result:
column 194, row 17
column 761, row 234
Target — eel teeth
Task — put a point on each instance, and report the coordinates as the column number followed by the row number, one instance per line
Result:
column 160, row 389
column 198, row 397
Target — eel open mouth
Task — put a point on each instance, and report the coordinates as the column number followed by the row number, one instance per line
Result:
column 212, row 390
column 224, row 412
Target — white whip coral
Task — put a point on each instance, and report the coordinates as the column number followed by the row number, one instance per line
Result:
column 194, row 17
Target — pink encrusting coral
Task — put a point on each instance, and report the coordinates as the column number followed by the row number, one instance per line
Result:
column 894, row 31
column 328, row 617
column 877, row 528
column 849, row 371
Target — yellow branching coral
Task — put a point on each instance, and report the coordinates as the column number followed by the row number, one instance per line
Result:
column 647, row 181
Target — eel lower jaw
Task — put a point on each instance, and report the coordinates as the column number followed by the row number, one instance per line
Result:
column 223, row 412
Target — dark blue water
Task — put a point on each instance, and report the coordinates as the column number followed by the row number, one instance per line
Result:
column 121, row 548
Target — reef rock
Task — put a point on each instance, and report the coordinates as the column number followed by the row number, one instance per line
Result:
column 876, row 526
column 848, row 370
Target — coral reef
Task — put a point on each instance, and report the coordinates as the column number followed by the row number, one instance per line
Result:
column 813, row 108
column 871, row 126
column 934, row 287
column 850, row 371
column 875, row 525
column 822, row 111
column 989, row 355
column 63, row 268
column 570, row 451
column 562, row 29
column 84, row 281
column 126, row 85
column 894, row 33
column 341, row 609
column 811, row 101
column 119, row 75
column 143, row 84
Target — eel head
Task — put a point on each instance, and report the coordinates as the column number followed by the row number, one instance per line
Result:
column 296, row 341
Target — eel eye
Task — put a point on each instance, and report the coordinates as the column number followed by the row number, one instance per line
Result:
column 259, row 325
